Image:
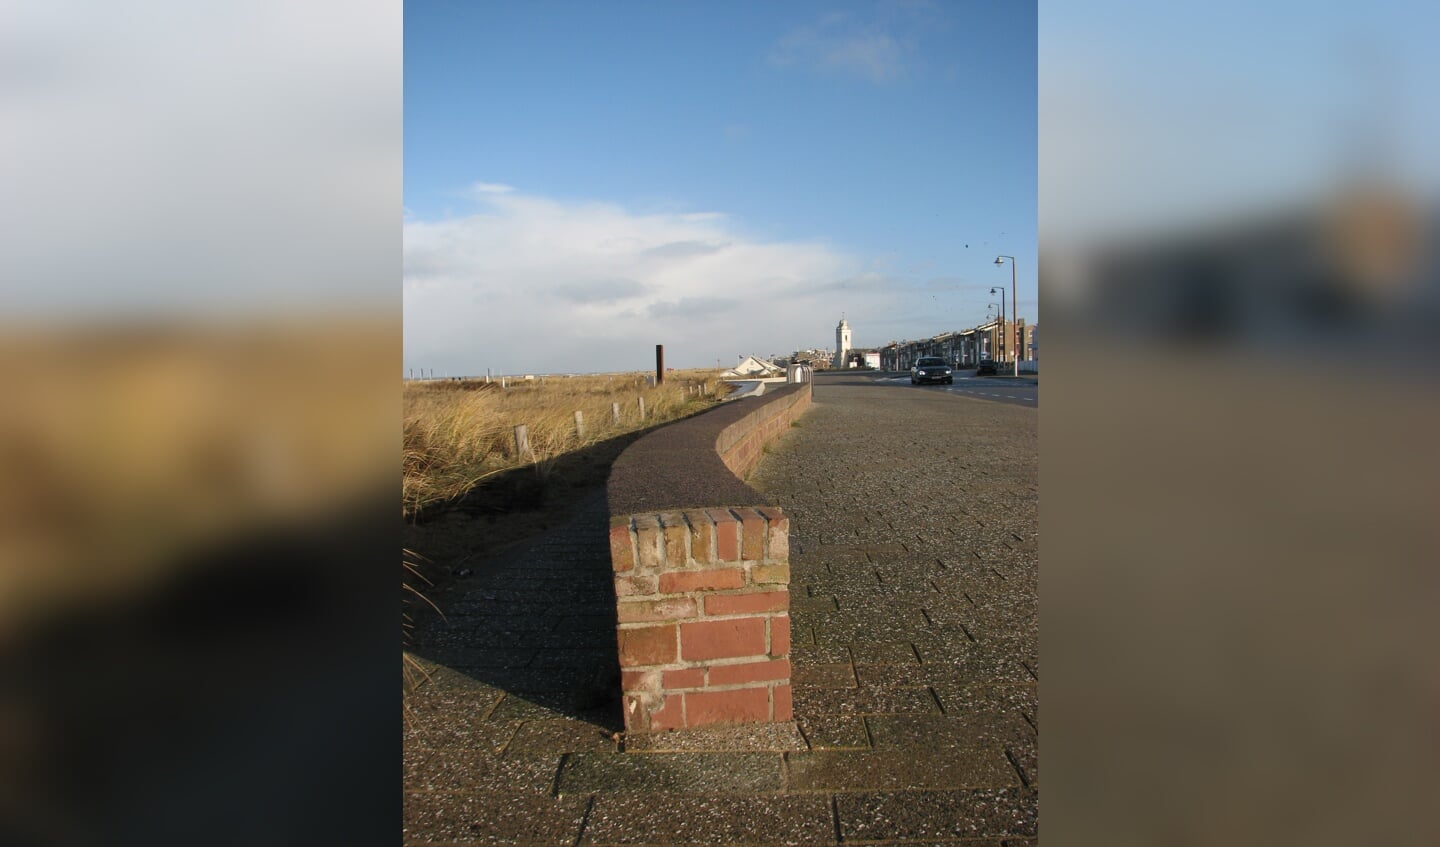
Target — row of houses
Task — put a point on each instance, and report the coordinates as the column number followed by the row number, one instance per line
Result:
column 966, row 347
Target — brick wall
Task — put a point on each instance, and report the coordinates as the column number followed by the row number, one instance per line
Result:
column 702, row 592
column 703, row 604
column 742, row 443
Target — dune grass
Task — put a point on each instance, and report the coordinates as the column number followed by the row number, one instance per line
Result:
column 459, row 433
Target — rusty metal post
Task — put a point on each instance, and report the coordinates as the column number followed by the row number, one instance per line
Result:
column 659, row 364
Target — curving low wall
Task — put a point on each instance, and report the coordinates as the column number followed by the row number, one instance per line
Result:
column 702, row 570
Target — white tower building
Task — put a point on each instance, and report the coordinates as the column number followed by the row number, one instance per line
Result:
column 842, row 342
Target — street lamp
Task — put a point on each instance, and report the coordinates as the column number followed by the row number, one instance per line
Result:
column 1014, row 307
column 1002, row 321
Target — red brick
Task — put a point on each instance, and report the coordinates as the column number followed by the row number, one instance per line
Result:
column 740, row 604
column 639, row 584
column 780, row 635
column 637, row 718
column 777, row 534
column 771, row 513
column 664, row 609
column 677, row 539
column 702, row 537
column 752, row 544
column 770, row 670
column 772, row 574
column 727, row 535
column 622, row 547
column 713, row 580
column 635, row 680
column 684, row 678
column 649, row 552
column 742, row 705
column 730, row 639
column 647, row 645
column 671, row 715
column 784, row 706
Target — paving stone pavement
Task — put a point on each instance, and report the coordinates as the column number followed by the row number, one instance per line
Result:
column 914, row 606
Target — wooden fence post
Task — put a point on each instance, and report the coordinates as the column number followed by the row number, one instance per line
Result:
column 579, row 425
column 642, row 408
column 522, row 441
column 615, row 412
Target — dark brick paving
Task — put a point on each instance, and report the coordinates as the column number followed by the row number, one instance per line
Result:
column 914, row 603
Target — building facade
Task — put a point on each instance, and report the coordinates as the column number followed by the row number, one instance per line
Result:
column 966, row 347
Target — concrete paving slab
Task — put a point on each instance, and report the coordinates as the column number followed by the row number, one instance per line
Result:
column 801, row 603
column 554, row 737
column 915, row 815
column 970, row 767
column 834, row 732
column 815, row 654
column 753, row 737
column 1026, row 759
column 536, row 680
column 549, row 705
column 459, row 768
column 716, row 819
column 491, row 818
column 1022, row 699
column 670, row 773
column 913, row 593
column 441, row 724
column 863, row 701
column 472, row 656
column 589, row 658
column 826, row 584
column 907, row 676
column 872, row 652
column 824, row 676
column 978, row 662
column 991, row 727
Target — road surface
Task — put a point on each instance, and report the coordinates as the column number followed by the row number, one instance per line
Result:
column 999, row 390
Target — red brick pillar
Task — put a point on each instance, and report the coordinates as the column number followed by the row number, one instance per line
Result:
column 703, row 604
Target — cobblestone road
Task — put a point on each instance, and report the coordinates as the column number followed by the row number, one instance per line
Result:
column 914, row 605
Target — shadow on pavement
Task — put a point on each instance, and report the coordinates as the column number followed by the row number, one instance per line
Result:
column 526, row 630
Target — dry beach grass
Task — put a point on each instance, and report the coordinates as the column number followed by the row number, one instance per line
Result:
column 467, row 491
column 459, row 433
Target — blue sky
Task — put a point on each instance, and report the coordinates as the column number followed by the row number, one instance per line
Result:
column 583, row 181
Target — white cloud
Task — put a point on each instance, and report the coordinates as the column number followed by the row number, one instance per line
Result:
column 147, row 149
column 838, row 44
column 492, row 188
column 531, row 284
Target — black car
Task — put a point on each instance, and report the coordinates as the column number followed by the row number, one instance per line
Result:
column 987, row 366
column 930, row 369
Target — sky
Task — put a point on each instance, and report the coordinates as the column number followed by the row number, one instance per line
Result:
column 1183, row 114
column 585, row 181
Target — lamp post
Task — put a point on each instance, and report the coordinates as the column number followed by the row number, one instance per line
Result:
column 1002, row 322
column 1014, row 307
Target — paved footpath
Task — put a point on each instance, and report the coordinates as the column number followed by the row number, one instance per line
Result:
column 914, row 600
